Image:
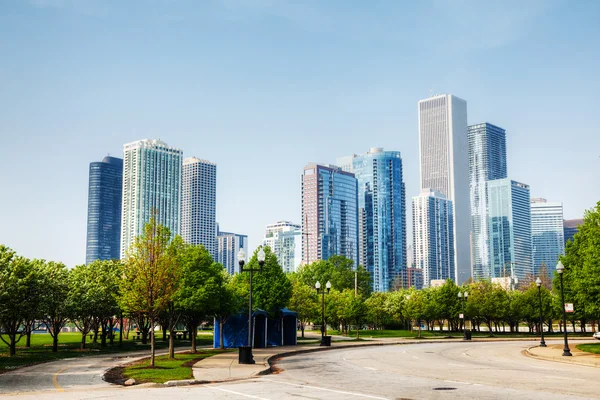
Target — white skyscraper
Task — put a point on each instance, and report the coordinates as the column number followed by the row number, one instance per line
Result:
column 151, row 184
column 228, row 247
column 444, row 159
column 433, row 235
column 199, row 203
column 285, row 240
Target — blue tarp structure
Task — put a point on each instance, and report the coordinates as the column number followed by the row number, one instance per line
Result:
column 279, row 331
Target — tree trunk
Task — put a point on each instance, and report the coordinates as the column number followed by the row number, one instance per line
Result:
column 221, row 344
column 103, row 334
column 172, row 343
column 144, row 336
column 193, row 332
column 83, row 335
column 12, row 349
column 121, row 331
column 28, row 339
column 55, row 342
column 302, row 329
column 164, row 332
column 152, row 353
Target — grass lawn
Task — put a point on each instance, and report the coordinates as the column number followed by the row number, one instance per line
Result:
column 68, row 347
column 165, row 369
column 590, row 348
column 366, row 334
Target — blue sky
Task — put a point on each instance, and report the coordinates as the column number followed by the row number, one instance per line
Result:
column 261, row 87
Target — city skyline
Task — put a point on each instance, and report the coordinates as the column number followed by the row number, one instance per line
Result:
column 295, row 92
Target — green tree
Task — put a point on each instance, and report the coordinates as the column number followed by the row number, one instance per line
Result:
column 415, row 307
column 271, row 288
column 19, row 291
column 303, row 301
column 338, row 270
column 200, row 293
column 151, row 275
column 81, row 300
column 376, row 309
column 54, row 305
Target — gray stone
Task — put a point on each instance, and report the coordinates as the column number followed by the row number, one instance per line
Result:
column 129, row 382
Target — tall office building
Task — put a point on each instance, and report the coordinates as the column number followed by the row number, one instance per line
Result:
column 433, row 236
column 285, row 240
column 509, row 228
column 151, row 186
column 547, row 234
column 199, row 203
column 329, row 213
column 444, row 159
column 570, row 228
column 104, row 210
column 487, row 161
column 228, row 247
column 381, row 216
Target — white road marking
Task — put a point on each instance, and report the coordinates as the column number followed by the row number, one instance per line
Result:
column 238, row 393
column 455, row 365
column 564, row 377
column 327, row 390
column 415, row 357
column 371, row 368
column 462, row 383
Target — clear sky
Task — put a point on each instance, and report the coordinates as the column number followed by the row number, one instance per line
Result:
column 261, row 87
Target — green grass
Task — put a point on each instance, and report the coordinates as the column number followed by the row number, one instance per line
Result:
column 166, row 370
column 590, row 348
column 366, row 334
column 68, row 347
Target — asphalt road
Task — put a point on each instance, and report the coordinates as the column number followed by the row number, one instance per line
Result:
column 490, row 370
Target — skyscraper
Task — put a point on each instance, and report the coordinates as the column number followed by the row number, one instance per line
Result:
column 285, row 240
column 151, row 186
column 509, row 228
column 199, row 203
column 104, row 210
column 433, row 236
column 228, row 247
column 487, row 161
column 570, row 228
column 381, row 216
column 444, row 159
column 547, row 234
column 329, row 213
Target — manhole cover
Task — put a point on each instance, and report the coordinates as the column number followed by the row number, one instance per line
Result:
column 444, row 388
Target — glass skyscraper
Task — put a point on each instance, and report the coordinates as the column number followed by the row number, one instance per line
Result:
column 285, row 240
column 382, row 217
column 199, row 203
column 570, row 228
column 433, row 236
column 547, row 234
column 444, row 159
column 329, row 213
column 151, row 186
column 509, row 228
column 487, row 161
column 104, row 210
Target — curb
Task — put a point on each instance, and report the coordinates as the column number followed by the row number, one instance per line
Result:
column 528, row 353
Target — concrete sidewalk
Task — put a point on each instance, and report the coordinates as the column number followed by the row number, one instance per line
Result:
column 554, row 352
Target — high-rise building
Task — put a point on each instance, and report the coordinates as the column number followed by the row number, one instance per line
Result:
column 151, row 186
column 547, row 234
column 199, row 203
column 487, row 161
column 433, row 236
column 329, row 213
column 285, row 240
column 104, row 210
column 444, row 159
column 228, row 247
column 381, row 216
column 509, row 228
column 570, row 228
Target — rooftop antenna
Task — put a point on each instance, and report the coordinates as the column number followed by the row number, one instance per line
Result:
column 430, row 92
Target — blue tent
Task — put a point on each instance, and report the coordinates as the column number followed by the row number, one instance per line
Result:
column 279, row 331
column 235, row 330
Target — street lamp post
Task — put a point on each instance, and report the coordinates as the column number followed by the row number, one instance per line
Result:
column 463, row 297
column 560, row 268
column 245, row 354
column 538, row 282
column 324, row 342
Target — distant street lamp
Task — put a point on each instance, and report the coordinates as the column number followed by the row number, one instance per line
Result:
column 463, row 297
column 560, row 268
column 322, row 292
column 245, row 352
column 538, row 282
